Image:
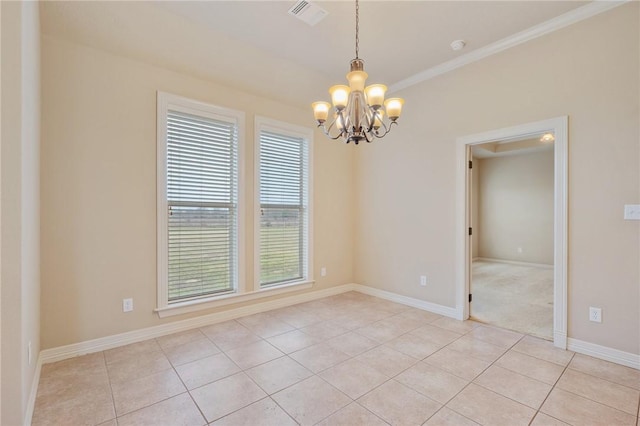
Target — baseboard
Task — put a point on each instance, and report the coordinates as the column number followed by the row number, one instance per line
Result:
column 560, row 339
column 96, row 345
column 605, row 353
column 109, row 342
column 409, row 301
column 514, row 262
column 33, row 392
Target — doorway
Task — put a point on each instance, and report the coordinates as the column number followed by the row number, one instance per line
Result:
column 511, row 200
column 557, row 127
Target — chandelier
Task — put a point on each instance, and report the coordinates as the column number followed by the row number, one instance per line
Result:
column 358, row 112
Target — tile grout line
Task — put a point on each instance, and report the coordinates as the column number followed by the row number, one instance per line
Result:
column 478, row 375
column 379, row 344
column 314, row 374
column 568, row 367
column 602, row 378
column 113, row 401
column 465, row 386
column 188, row 392
column 419, row 360
column 551, row 390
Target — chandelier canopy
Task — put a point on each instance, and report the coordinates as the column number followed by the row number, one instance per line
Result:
column 358, row 111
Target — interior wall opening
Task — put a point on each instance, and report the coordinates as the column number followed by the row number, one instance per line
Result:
column 511, row 201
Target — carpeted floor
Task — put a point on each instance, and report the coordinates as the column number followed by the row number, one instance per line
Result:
column 516, row 297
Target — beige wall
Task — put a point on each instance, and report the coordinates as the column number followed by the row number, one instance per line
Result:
column 99, row 183
column 406, row 182
column 20, row 205
column 99, row 155
column 515, row 205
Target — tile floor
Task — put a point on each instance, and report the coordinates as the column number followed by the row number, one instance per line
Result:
column 350, row 359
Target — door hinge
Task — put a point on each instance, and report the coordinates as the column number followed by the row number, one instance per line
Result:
column 470, row 298
column 470, row 231
column 470, row 164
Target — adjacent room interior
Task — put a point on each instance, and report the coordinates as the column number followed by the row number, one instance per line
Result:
column 512, row 240
column 186, row 240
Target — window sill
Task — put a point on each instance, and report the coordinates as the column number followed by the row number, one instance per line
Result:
column 228, row 299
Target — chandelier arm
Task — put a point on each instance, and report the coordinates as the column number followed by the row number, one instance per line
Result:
column 376, row 132
column 382, row 134
column 387, row 129
column 372, row 119
column 327, row 131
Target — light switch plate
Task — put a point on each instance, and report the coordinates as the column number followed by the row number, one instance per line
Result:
column 632, row 211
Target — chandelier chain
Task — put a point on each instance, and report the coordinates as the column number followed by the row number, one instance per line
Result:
column 357, row 28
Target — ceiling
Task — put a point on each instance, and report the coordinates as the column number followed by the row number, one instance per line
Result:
column 259, row 47
column 518, row 146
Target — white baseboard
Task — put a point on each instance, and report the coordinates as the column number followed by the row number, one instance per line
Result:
column 109, row 342
column 603, row 352
column 514, row 262
column 33, row 392
column 409, row 301
column 96, row 345
column 560, row 339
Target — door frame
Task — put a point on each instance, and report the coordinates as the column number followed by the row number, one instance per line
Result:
column 560, row 127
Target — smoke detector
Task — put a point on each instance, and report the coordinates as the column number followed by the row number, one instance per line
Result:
column 308, row 12
column 458, row 44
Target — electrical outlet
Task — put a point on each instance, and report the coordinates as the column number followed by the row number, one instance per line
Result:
column 632, row 211
column 423, row 280
column 323, row 272
column 29, row 353
column 127, row 305
column 519, row 250
column 595, row 314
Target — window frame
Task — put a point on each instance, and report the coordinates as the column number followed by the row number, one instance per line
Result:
column 287, row 129
column 166, row 102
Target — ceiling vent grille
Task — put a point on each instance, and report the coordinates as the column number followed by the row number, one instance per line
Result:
column 308, row 12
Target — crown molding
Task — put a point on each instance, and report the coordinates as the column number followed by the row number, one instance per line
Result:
column 587, row 11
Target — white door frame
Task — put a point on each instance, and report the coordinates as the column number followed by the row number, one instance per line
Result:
column 559, row 126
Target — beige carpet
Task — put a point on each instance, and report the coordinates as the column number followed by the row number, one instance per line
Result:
column 516, row 297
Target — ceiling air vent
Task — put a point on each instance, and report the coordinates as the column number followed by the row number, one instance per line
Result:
column 308, row 12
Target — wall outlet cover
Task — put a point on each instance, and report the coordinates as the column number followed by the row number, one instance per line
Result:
column 632, row 211
column 127, row 305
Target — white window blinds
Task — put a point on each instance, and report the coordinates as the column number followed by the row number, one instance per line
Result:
column 283, row 183
column 202, row 196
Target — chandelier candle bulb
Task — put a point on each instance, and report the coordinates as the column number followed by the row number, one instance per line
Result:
column 394, row 108
column 375, row 94
column 339, row 96
column 321, row 111
column 356, row 80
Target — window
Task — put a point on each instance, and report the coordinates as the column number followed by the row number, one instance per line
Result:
column 197, row 200
column 283, row 230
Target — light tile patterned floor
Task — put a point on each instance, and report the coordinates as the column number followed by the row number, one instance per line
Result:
column 350, row 359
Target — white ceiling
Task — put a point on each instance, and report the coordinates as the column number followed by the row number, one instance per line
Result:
column 528, row 145
column 258, row 46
